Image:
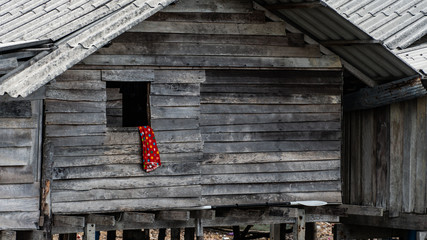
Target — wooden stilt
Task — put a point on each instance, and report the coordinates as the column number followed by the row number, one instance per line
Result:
column 189, row 234
column 7, row 235
column 146, row 234
column 133, row 234
column 89, row 232
column 275, row 232
column 68, row 236
column 111, row 235
column 175, row 233
column 236, row 232
column 299, row 226
column 162, row 234
column 199, row 229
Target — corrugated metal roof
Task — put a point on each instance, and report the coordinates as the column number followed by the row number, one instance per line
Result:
column 332, row 28
column 95, row 28
column 416, row 56
column 398, row 23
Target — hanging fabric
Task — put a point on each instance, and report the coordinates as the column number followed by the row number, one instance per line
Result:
column 150, row 152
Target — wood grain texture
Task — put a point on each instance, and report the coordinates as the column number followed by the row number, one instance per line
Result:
column 420, row 187
column 19, row 220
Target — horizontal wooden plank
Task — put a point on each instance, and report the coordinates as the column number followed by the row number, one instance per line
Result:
column 15, row 156
column 211, row 49
column 12, row 191
column 328, row 61
column 122, row 170
column 273, row 77
column 252, row 17
column 267, row 168
column 247, row 98
column 244, row 189
column 76, row 95
column 243, row 158
column 76, row 161
column 179, row 76
column 180, row 147
column 80, row 75
column 268, row 28
column 139, row 193
column 232, row 119
column 174, row 124
column 267, row 127
column 226, row 6
column 278, row 89
column 130, row 37
column 19, row 220
column 258, row 108
column 77, row 85
column 74, row 130
column 175, row 112
column 19, row 205
column 126, row 183
column 128, row 75
column 175, row 101
column 104, row 150
column 15, row 109
column 75, row 118
column 271, row 136
column 54, row 106
column 15, row 138
column 175, row 89
column 117, row 138
column 274, row 146
column 123, row 205
column 78, row 140
column 17, row 174
column 330, row 197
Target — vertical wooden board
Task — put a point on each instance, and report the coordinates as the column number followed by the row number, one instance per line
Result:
column 355, row 172
column 409, row 155
column 396, row 159
column 382, row 118
column 421, row 161
column 367, row 157
column 345, row 161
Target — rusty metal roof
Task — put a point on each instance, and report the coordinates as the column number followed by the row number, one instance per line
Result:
column 76, row 29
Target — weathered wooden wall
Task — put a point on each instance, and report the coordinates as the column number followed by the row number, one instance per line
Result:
column 271, row 136
column 385, row 157
column 20, row 149
column 287, row 138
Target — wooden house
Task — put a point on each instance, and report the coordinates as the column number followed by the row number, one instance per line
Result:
column 245, row 101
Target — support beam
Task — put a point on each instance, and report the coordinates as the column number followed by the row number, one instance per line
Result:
column 199, row 229
column 138, row 217
column 299, row 226
column 397, row 91
column 173, row 215
column 7, row 235
column 89, row 232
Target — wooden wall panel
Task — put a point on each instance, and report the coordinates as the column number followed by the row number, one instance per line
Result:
column 254, row 148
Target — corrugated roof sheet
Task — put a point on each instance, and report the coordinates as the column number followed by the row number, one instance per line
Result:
column 398, row 23
column 416, row 56
column 95, row 24
column 326, row 21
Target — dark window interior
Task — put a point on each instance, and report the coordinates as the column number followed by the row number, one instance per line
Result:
column 129, row 105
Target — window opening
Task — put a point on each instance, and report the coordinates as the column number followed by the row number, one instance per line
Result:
column 128, row 104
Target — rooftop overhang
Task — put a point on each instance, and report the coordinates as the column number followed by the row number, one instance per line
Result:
column 26, row 78
column 366, row 58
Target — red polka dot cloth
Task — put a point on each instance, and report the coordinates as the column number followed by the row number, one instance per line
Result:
column 150, row 152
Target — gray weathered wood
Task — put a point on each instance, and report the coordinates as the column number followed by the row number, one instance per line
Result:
column 229, row 119
column 238, row 158
column 382, row 155
column 268, row 28
column 76, row 95
column 79, row 140
column 77, row 85
column 15, row 156
column 128, row 75
column 19, row 204
column 236, row 147
column 89, row 232
column 178, row 89
column 299, row 227
column 179, row 76
column 71, row 221
column 242, row 98
column 257, row 108
column 104, row 220
column 267, row 127
column 174, row 112
column 19, row 220
column 133, row 193
column 232, row 6
column 330, row 62
column 54, row 106
column 173, row 215
column 7, row 235
column 396, row 159
column 175, row 101
column 15, row 137
column 80, row 75
column 421, row 164
column 138, row 217
column 271, row 136
column 76, row 118
column 16, row 109
column 74, row 130
column 368, row 158
column 11, row 191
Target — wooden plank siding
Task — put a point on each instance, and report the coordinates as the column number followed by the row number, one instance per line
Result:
column 20, row 149
column 262, row 162
column 279, row 137
column 388, row 160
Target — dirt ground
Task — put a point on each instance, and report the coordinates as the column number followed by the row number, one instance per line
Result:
column 323, row 232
